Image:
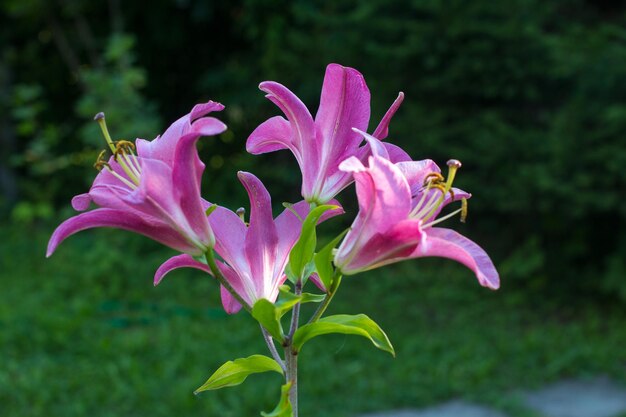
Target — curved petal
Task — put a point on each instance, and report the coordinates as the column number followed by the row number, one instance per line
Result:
column 382, row 130
column 163, row 147
column 231, row 306
column 272, row 135
column 150, row 227
column 176, row 262
column 296, row 112
column 261, row 239
column 81, row 202
column 186, row 175
column 396, row 153
column 203, row 109
column 394, row 245
column 230, row 234
column 344, row 104
column 446, row 243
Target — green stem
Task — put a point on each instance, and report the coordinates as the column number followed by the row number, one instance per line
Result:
column 210, row 258
column 291, row 361
column 329, row 297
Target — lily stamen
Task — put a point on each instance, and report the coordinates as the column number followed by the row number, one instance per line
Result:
column 124, row 148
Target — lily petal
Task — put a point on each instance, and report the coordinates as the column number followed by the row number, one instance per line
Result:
column 272, row 135
column 262, row 238
column 447, row 243
column 119, row 219
column 344, row 104
column 382, row 130
column 176, row 262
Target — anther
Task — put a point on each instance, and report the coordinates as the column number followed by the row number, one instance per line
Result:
column 241, row 212
column 433, row 177
column 101, row 162
column 122, row 147
column 454, row 163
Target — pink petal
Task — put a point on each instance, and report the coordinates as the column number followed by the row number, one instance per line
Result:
column 272, row 135
column 121, row 219
column 384, row 199
column 315, row 279
column 176, row 262
column 230, row 233
column 345, row 104
column 81, row 202
column 231, row 306
column 396, row 153
column 262, row 238
column 395, row 244
column 296, row 112
column 203, row 109
column 447, row 243
column 382, row 130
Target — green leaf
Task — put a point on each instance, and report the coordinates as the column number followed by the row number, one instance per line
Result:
column 286, row 301
column 307, row 297
column 324, row 261
column 283, row 409
column 303, row 250
column 359, row 324
column 235, row 372
column 269, row 317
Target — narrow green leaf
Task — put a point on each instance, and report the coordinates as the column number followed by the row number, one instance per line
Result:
column 359, row 324
column 307, row 297
column 283, row 409
column 285, row 302
column 324, row 260
column 235, row 372
column 303, row 250
column 268, row 316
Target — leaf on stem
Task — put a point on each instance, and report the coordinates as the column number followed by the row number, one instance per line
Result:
column 324, row 261
column 235, row 372
column 303, row 250
column 283, row 409
column 359, row 325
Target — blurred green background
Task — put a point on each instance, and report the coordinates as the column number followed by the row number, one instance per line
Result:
column 529, row 94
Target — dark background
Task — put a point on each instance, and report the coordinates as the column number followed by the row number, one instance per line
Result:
column 530, row 95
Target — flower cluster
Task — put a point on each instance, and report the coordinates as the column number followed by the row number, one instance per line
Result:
column 154, row 188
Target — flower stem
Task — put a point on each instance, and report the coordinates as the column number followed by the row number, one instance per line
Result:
column 210, row 258
column 291, row 359
column 270, row 345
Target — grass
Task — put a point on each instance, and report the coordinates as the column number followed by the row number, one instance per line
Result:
column 85, row 333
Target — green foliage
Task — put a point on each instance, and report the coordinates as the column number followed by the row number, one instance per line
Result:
column 324, row 261
column 89, row 326
column 359, row 325
column 283, row 409
column 302, row 253
column 233, row 373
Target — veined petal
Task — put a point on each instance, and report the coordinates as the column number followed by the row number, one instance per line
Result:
column 384, row 199
column 81, row 202
column 446, row 243
column 395, row 244
column 344, row 104
column 382, row 131
column 396, row 153
column 261, row 239
column 186, row 175
column 272, row 135
column 163, row 147
column 296, row 112
column 415, row 172
column 176, row 262
column 120, row 219
column 230, row 235
column 203, row 109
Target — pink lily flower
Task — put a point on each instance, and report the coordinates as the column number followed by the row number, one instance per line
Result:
column 320, row 145
column 155, row 192
column 398, row 208
column 254, row 255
